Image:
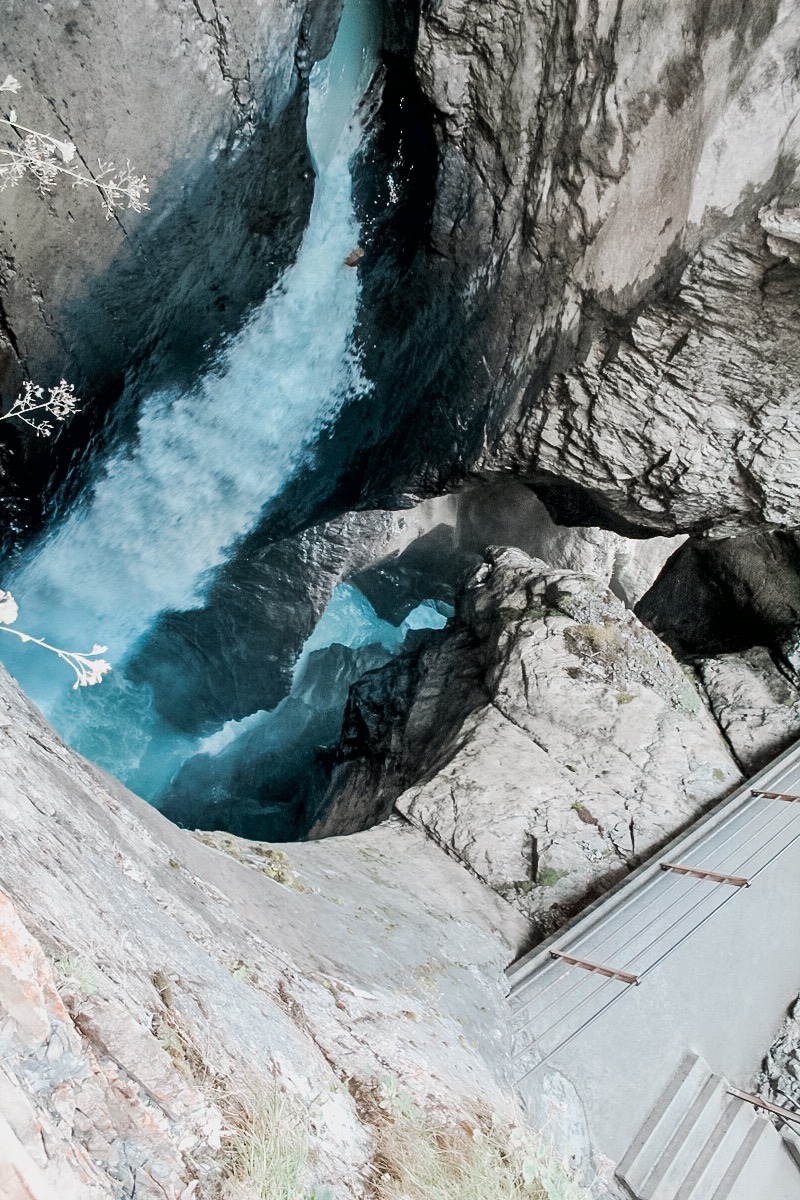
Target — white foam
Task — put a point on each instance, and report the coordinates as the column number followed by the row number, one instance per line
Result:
column 165, row 512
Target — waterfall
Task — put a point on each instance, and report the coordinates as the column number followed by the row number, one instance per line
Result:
column 165, row 512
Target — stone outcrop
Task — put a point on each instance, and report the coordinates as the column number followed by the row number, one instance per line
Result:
column 686, row 420
column 755, row 705
column 547, row 740
column 781, row 223
column 156, row 989
column 506, row 513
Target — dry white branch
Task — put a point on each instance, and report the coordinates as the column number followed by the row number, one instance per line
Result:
column 59, row 402
column 89, row 668
column 47, row 159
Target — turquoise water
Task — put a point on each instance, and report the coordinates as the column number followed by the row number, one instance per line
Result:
column 166, row 511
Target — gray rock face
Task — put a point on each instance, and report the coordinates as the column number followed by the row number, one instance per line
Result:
column 688, row 420
column 756, row 707
column 549, row 741
column 155, row 990
column 569, row 196
column 207, row 101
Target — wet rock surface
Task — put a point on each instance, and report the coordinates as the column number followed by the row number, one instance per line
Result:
column 548, row 740
column 235, row 655
column 208, row 101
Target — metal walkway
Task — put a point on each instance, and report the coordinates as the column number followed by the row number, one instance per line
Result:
column 562, row 987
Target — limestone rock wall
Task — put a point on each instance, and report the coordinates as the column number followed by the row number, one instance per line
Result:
column 621, row 319
column 686, row 419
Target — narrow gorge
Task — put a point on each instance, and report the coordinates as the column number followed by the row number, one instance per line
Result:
column 433, row 495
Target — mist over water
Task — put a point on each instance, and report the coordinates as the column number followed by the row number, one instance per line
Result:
column 165, row 512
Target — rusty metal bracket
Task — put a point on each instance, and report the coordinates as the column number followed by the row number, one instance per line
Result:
column 786, row 1113
column 733, row 880
column 774, row 795
column 609, row 972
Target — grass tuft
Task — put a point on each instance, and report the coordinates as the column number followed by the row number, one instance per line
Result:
column 75, row 973
column 418, row 1159
column 268, row 1149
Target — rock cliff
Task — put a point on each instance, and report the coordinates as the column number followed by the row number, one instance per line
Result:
column 548, row 741
column 579, row 279
column 206, row 100
column 606, row 304
column 583, row 274
column 591, row 171
column 157, row 991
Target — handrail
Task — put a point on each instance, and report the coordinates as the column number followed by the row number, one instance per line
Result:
column 727, row 809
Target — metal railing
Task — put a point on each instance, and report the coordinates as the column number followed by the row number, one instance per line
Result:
column 555, row 994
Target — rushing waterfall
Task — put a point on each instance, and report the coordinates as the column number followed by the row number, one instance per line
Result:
column 165, row 512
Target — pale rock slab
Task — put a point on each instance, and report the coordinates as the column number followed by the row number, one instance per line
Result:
column 147, row 980
column 757, row 707
column 601, row 174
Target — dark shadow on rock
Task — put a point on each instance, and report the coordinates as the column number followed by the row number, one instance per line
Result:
column 258, row 786
column 433, row 565
column 717, row 597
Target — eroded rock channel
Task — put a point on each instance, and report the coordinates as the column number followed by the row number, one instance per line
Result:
column 434, row 496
